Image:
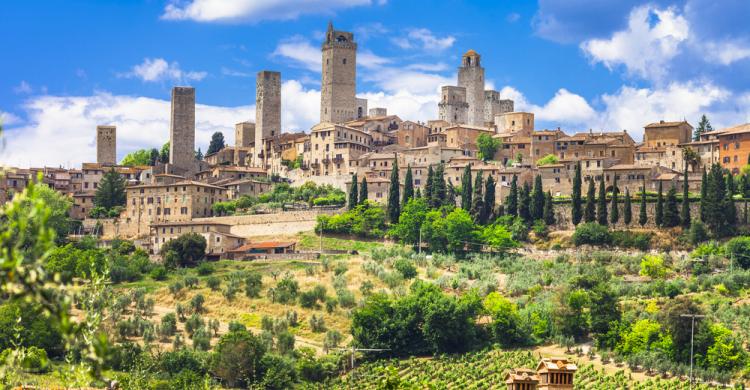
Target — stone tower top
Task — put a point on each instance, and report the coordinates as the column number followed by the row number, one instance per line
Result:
column 471, row 58
column 339, row 38
column 338, row 102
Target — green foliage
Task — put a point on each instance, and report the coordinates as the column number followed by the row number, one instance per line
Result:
column 547, row 160
column 217, row 143
column 466, row 190
column 653, row 266
column 511, row 203
column 498, row 238
column 159, row 273
column 365, row 220
column 353, row 201
column 576, row 212
column 394, row 208
column 405, row 267
column 204, row 268
column 410, row 221
column 589, row 213
column 487, row 146
column 505, row 328
column 111, row 191
column 536, row 208
column 237, row 358
column 408, row 186
column 253, row 284
column 592, row 234
column 671, row 213
column 184, row 251
column 645, row 335
column 140, row 157
column 738, row 249
column 726, row 353
column 33, row 326
column 630, row 239
column 601, row 204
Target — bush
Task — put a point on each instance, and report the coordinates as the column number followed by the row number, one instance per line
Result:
column 591, row 233
column 653, row 267
column 205, row 268
column 253, row 284
column 158, row 273
column 738, row 249
column 286, row 290
column 184, row 251
column 406, row 268
column 35, row 360
column 317, row 323
column 213, row 282
column 629, row 239
column 697, row 232
column 168, row 325
column 237, row 358
column 197, row 303
column 309, row 300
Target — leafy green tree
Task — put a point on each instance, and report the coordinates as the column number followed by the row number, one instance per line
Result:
column 537, row 199
column 477, row 202
column 679, row 327
column 506, row 326
column 33, row 326
column 408, row 186
column 217, row 143
column 642, row 216
column 363, row 191
column 511, row 202
column 524, row 203
column 576, row 211
column 237, row 357
column 164, row 153
column 671, row 214
column 111, row 191
column 547, row 160
column 726, row 353
column 738, row 251
column 138, row 158
column 704, row 126
column 459, row 228
column 410, row 221
column 589, row 212
column 154, row 157
column 184, row 251
column 730, row 210
column 614, row 216
column 439, row 190
column 466, row 189
column 659, row 217
column 393, row 194
column 489, row 198
column 601, row 205
column 487, row 146
column 498, row 238
column 653, row 267
column 645, row 335
column 570, row 315
column 549, row 209
column 353, row 202
column 627, row 212
column 685, row 212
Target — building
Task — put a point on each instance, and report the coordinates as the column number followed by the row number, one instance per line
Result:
column 494, row 105
column 662, row 134
column 514, row 122
column 734, row 151
column 267, row 112
column 106, row 145
column 219, row 239
column 453, row 107
column 338, row 102
column 521, row 379
column 471, row 78
column 556, row 374
column 182, row 128
column 262, row 249
column 335, row 149
column 251, row 187
column 412, row 134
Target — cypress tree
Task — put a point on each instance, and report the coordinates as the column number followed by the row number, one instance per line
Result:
column 671, row 214
column 408, row 186
column 428, row 185
column 111, row 191
column 576, row 211
column 363, row 194
column 466, row 188
column 601, row 205
column 731, row 190
column 704, row 194
column 730, row 210
column 489, row 198
column 438, row 187
column 659, row 218
column 614, row 215
column 642, row 216
column 511, row 202
column 524, row 203
column 537, row 200
column 627, row 212
column 549, row 210
column 353, row 192
column 451, row 194
column 477, row 203
column 418, row 193
column 685, row 212
column 589, row 213
column 393, row 207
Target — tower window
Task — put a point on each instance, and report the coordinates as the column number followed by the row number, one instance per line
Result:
column 344, row 61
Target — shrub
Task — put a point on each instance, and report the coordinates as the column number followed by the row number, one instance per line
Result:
column 197, row 303
column 346, row 298
column 205, row 268
column 738, row 250
column 253, row 284
column 629, row 239
column 309, row 300
column 653, row 267
column 286, row 290
column 175, row 288
column 184, row 251
column 406, row 268
column 158, row 273
column 697, row 232
column 168, row 325
column 237, row 358
column 591, row 233
column 213, row 282
column 35, row 360
column 332, row 340
column 317, row 323
column 191, row 282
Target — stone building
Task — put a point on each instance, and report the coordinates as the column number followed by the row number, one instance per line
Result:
column 377, row 111
column 514, row 122
column 556, row 374
column 267, row 113
column 662, row 134
column 182, row 128
column 338, row 102
column 494, row 105
column 219, row 239
column 361, row 108
column 734, row 151
column 335, row 149
column 251, row 187
column 471, row 78
column 106, row 145
column 453, row 107
column 412, row 134
column 244, row 143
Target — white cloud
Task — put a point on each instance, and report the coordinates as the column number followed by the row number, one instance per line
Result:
column 424, row 39
column 235, row 73
column 652, row 39
column 8, row 119
column 728, row 52
column 23, row 88
column 158, row 69
column 301, row 52
column 254, row 10
column 565, row 108
column 370, row 60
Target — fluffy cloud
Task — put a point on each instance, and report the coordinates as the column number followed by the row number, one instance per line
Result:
column 423, row 39
column 254, row 10
column 301, row 52
column 8, row 119
column 158, row 69
column 652, row 39
column 564, row 109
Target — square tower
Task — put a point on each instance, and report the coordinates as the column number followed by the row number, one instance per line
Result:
column 106, row 145
column 493, row 105
column 453, row 107
column 244, row 134
column 338, row 102
column 267, row 109
column 471, row 77
column 361, row 108
column 182, row 128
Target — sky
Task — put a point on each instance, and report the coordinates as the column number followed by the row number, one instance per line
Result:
column 68, row 66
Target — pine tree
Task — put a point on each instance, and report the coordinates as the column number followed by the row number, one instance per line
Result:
column 601, row 205
column 438, row 187
column 671, row 214
column 642, row 216
column 353, row 193
column 659, row 218
column 451, row 194
column 614, row 215
column 704, row 126
column 511, row 202
column 489, row 198
column 704, row 192
column 477, row 203
column 685, row 212
column 537, row 199
column 524, row 202
column 199, row 155
column 466, row 188
column 394, row 210
column 627, row 212
column 111, row 191
column 217, row 143
column 427, row 194
column 154, row 157
column 589, row 213
column 549, row 210
column 408, row 186
column 363, row 193
column 576, row 211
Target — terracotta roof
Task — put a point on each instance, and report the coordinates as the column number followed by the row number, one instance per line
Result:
column 736, row 129
column 189, row 223
column 626, row 167
column 179, row 183
column 557, row 364
column 665, row 124
column 263, row 245
column 241, row 181
column 470, row 52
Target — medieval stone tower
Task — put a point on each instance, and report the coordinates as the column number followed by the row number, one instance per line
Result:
column 338, row 102
column 106, row 145
column 471, row 77
column 244, row 134
column 267, row 110
column 453, row 107
column 182, row 128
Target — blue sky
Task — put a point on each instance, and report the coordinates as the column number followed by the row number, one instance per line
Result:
column 578, row 64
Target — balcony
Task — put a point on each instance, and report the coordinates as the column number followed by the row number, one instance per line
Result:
column 338, row 160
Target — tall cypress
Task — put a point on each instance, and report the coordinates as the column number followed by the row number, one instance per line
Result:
column 601, row 205
column 477, row 203
column 427, row 194
column 659, row 218
column 671, row 214
column 627, row 212
column 511, row 202
column 685, row 212
column 451, row 194
column 466, row 188
column 576, row 211
column 614, row 215
column 489, row 198
column 353, row 192
column 394, row 210
column 524, row 202
column 715, row 201
column 704, row 195
column 589, row 213
column 438, row 187
column 418, row 193
column 408, row 186
column 363, row 194
column 730, row 210
column 642, row 216
column 549, row 209
column 537, row 199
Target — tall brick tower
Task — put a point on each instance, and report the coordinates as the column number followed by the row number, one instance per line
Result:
column 182, row 128
column 267, row 109
column 471, row 77
column 453, row 107
column 106, row 145
column 338, row 102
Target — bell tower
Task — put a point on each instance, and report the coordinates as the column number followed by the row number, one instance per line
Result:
column 338, row 102
column 471, row 77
